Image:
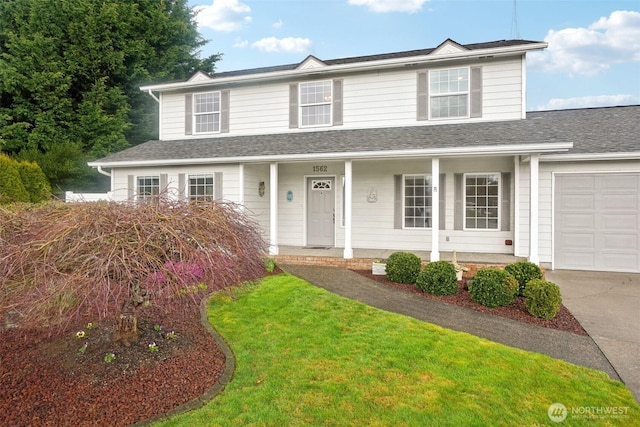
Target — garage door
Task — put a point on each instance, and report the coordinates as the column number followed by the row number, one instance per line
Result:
column 597, row 222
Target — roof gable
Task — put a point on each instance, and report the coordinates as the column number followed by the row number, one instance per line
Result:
column 449, row 47
column 311, row 62
column 200, row 76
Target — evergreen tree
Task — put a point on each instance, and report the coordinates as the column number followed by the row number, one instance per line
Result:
column 70, row 72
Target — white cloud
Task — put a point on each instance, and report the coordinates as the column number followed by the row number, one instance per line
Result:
column 277, row 25
column 223, row 15
column 381, row 6
column 287, row 44
column 240, row 43
column 592, row 50
column 589, row 102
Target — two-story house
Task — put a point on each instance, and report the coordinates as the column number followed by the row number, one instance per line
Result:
column 427, row 150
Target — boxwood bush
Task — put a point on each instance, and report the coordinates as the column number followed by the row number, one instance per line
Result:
column 438, row 278
column 493, row 287
column 403, row 267
column 542, row 298
column 523, row 271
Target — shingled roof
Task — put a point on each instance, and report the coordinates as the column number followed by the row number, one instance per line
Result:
column 378, row 57
column 592, row 131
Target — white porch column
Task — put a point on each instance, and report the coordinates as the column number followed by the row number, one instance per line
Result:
column 516, row 205
column 273, row 208
column 348, row 186
column 534, row 256
column 241, row 184
column 435, row 209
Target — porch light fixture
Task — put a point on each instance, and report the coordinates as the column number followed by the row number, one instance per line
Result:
column 261, row 188
column 289, row 196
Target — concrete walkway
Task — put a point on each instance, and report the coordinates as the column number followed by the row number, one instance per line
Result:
column 607, row 305
column 576, row 349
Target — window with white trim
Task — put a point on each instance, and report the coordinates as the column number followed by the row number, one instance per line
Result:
column 417, row 201
column 206, row 112
column 449, row 93
column 148, row 187
column 201, row 187
column 482, row 201
column 315, row 103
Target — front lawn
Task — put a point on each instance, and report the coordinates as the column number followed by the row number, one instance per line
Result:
column 305, row 356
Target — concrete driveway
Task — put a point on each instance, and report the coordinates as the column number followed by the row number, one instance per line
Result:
column 608, row 307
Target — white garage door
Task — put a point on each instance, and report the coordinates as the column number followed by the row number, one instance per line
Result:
column 597, row 222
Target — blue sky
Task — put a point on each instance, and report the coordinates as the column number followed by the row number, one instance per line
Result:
column 593, row 58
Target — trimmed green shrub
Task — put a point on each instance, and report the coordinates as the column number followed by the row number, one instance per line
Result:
column 269, row 264
column 523, row 271
column 11, row 187
column 403, row 267
column 438, row 278
column 542, row 298
column 493, row 287
column 34, row 181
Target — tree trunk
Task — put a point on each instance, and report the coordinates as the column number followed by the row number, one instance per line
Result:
column 127, row 329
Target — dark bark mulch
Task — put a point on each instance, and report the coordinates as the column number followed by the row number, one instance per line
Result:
column 564, row 320
column 47, row 382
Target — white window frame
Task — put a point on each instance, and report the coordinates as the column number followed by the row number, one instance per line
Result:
column 141, row 189
column 326, row 101
column 203, row 185
column 428, row 218
column 213, row 112
column 498, row 206
column 442, row 95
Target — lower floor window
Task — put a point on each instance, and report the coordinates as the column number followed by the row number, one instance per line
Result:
column 148, row 187
column 417, row 201
column 482, row 201
column 201, row 187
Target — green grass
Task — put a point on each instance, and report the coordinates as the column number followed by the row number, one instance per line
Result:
column 305, row 356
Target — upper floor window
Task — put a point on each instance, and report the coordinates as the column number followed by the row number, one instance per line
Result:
column 206, row 112
column 148, row 187
column 201, row 187
column 482, row 201
column 449, row 93
column 315, row 103
column 417, row 201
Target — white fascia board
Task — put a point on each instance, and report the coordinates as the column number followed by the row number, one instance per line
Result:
column 351, row 67
column 590, row 157
column 502, row 150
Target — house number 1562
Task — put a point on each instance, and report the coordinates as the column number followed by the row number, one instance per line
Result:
column 320, row 168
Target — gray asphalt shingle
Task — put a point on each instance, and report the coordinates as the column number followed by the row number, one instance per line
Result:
column 592, row 131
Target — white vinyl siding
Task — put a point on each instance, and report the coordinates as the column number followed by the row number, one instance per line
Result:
column 502, row 90
column 385, row 98
column 229, row 174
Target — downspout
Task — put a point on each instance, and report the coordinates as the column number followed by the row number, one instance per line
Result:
column 99, row 168
column 150, row 92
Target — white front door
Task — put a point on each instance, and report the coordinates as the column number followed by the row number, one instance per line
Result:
column 320, row 211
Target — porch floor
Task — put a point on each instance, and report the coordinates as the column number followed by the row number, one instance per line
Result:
column 362, row 258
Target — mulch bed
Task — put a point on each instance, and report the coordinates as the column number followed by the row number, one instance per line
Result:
column 564, row 320
column 47, row 382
